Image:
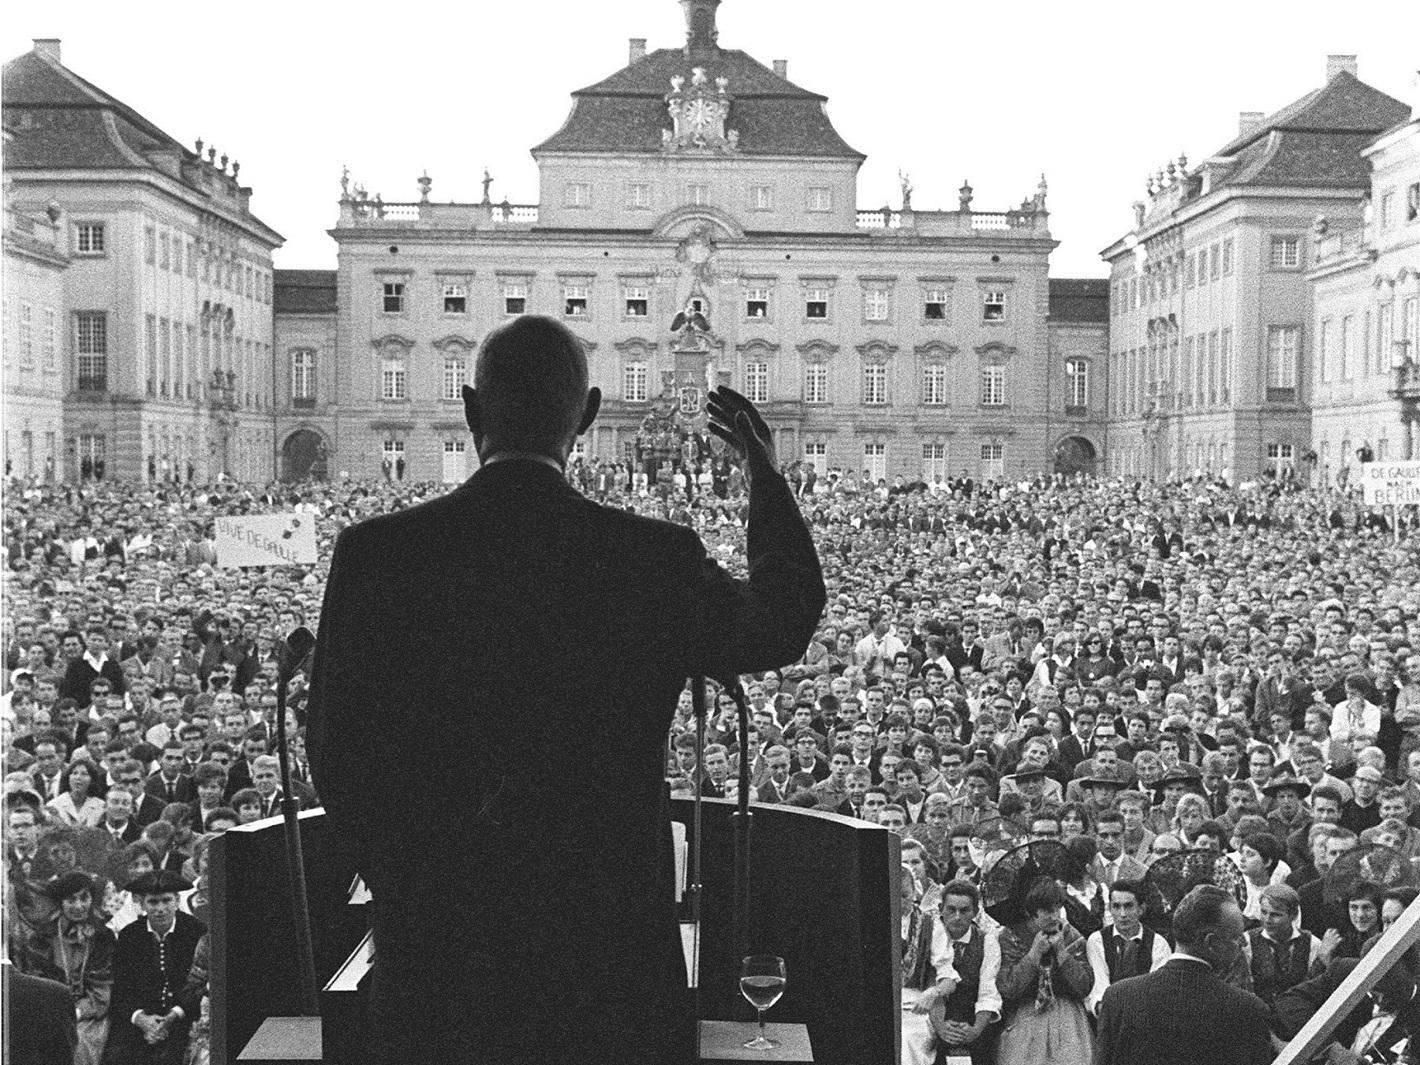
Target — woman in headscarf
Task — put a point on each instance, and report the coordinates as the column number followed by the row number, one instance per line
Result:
column 1043, row 982
column 76, row 949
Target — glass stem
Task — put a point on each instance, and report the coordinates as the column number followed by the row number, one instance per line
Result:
column 761, row 1024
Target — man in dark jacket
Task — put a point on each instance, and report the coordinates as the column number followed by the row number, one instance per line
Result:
column 40, row 1025
column 1183, row 1013
column 149, row 1012
column 545, row 615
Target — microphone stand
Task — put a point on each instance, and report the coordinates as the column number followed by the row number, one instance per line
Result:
column 695, row 888
column 742, row 819
column 294, row 650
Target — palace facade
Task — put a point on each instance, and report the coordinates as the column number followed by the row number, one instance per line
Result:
column 160, row 344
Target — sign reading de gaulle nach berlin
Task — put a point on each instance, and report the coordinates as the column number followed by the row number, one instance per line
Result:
column 1390, row 484
column 266, row 540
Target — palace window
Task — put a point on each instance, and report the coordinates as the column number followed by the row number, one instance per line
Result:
column 515, row 298
column 453, row 377
column 875, row 461
column 1282, row 346
column 934, row 384
column 89, row 238
column 638, row 195
column 637, row 299
column 993, row 462
column 934, row 308
column 757, row 382
column 875, row 304
column 394, row 378
column 633, row 382
column 1286, row 253
column 934, row 463
column 816, row 303
column 757, row 303
column 455, row 297
column 49, row 340
column 697, row 193
column 820, row 198
column 393, row 297
column 577, row 194
column 91, row 348
column 1228, row 257
column 993, row 386
column 1077, row 377
column 761, row 198
column 150, row 352
column 27, row 334
column 303, row 377
column 574, row 301
column 150, row 245
column 815, row 383
column 816, row 455
column 993, row 306
column 874, row 384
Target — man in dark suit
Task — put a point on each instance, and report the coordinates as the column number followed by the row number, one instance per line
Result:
column 568, row 919
column 1183, row 1013
column 151, row 1011
column 40, row 1025
column 94, row 662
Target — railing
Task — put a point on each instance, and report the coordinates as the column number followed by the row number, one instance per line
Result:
column 373, row 213
column 990, row 220
column 883, row 218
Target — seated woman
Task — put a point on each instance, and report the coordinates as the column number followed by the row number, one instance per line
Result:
column 1043, row 982
column 75, row 949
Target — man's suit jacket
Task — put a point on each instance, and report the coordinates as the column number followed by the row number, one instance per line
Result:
column 141, row 982
column 79, row 674
column 147, row 810
column 184, row 786
column 1070, row 753
column 553, row 624
column 766, row 792
column 1181, row 1014
column 1130, row 868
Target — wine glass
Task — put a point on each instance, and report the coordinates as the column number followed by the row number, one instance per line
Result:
column 762, row 980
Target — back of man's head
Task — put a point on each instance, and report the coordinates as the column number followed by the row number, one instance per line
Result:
column 1200, row 912
column 531, row 385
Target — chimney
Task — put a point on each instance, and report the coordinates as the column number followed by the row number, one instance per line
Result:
column 1336, row 64
column 781, row 68
column 638, row 49
column 1248, row 121
column 47, row 47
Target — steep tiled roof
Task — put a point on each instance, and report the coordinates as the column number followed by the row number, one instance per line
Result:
column 1315, row 141
column 59, row 121
column 1079, row 299
column 304, row 291
column 627, row 111
column 1343, row 103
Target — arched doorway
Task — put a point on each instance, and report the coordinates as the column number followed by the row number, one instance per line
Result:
column 1075, row 455
column 303, row 457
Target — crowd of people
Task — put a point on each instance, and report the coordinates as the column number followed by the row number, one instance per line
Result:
column 1124, row 670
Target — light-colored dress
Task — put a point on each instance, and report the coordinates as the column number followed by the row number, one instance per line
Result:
column 1041, row 1029
column 87, row 815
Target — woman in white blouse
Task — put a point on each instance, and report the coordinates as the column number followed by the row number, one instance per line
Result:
column 75, row 805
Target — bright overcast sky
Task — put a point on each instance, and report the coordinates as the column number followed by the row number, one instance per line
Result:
column 1095, row 94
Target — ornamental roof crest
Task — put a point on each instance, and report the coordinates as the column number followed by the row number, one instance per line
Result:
column 698, row 115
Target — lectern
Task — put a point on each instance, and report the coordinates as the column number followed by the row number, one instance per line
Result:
column 825, row 898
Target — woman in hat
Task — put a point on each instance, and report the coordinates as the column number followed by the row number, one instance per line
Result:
column 74, row 948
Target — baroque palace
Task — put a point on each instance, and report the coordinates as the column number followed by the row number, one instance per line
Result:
column 697, row 223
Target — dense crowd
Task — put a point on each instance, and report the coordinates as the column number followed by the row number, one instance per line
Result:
column 1126, row 670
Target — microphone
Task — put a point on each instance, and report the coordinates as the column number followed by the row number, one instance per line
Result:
column 294, row 650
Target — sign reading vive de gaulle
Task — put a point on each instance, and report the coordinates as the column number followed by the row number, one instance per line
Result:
column 266, row 540
column 1390, row 484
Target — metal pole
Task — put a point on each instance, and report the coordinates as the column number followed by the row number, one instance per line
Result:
column 294, row 651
